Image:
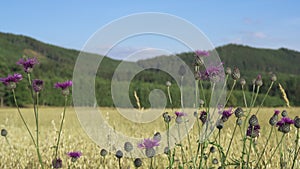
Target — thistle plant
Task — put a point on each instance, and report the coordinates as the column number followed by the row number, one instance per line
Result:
column 11, row 82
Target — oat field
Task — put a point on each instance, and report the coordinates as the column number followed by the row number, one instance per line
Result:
column 18, row 152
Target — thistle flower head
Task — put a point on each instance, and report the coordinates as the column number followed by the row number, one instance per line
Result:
column 74, row 155
column 57, row 163
column 253, row 131
column 253, row 121
column 37, row 85
column 243, row 82
column 285, row 120
column 11, row 80
column 150, row 152
column 213, row 73
column 148, row 143
column 137, row 162
column 64, row 86
column 273, row 77
column 103, row 152
column 168, row 83
column 236, row 73
column 201, row 53
column 119, row 154
column 157, row 136
column 28, row 63
column 297, row 122
column 167, row 117
column 238, row 112
column 203, row 117
column 128, row 146
column 180, row 114
column 3, row 132
column 258, row 81
column 284, row 113
column 276, row 112
column 228, row 71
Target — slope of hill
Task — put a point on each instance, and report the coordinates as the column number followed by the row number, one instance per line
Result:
column 56, row 64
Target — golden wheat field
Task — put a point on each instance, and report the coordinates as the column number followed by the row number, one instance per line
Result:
column 20, row 153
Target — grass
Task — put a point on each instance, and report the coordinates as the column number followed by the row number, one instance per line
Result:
column 20, row 153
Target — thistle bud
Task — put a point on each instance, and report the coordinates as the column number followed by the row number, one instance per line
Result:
column 236, row 73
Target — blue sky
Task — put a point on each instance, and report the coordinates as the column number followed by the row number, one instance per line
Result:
column 258, row 23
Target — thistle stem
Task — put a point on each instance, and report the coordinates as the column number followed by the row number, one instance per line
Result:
column 264, row 97
column 265, row 147
column 230, row 141
column 275, row 150
column 232, row 87
column 60, row 128
column 296, row 146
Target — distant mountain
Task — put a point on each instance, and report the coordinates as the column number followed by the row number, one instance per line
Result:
column 57, row 63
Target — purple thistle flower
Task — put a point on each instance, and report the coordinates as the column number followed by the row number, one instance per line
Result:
column 226, row 114
column 276, row 112
column 253, row 131
column 11, row 80
column 74, row 155
column 203, row 117
column 28, row 63
column 63, row 85
column 180, row 114
column 201, row 53
column 57, row 163
column 148, row 143
column 258, row 81
column 37, row 85
column 214, row 73
column 285, row 120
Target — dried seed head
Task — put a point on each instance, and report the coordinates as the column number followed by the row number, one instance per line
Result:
column 4, row 132
column 253, row 121
column 239, row 112
column 103, row 152
column 119, row 154
column 137, row 162
column 128, row 147
column 150, row 152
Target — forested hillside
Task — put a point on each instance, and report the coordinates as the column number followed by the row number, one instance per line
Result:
column 56, row 64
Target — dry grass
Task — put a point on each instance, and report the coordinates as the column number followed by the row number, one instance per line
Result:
column 21, row 153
